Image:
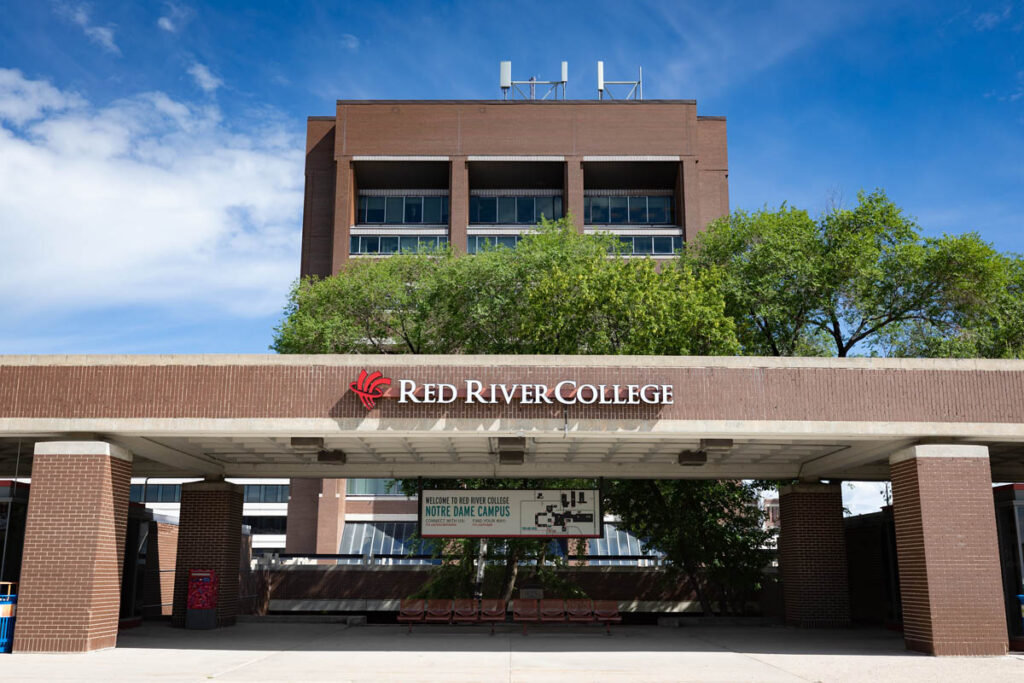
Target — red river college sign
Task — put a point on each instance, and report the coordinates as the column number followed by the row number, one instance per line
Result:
column 369, row 388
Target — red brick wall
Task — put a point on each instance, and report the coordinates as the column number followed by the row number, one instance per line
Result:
column 458, row 129
column 812, row 555
column 309, row 389
column 318, row 207
column 70, row 591
column 303, row 504
column 209, row 537
column 161, row 559
column 950, row 584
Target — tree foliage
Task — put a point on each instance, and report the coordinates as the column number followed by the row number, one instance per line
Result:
column 557, row 292
column 710, row 531
column 797, row 286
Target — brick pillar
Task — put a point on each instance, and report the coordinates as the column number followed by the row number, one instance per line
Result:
column 346, row 200
column 70, row 591
column 330, row 521
column 209, row 537
column 458, row 205
column 946, row 547
column 689, row 190
column 573, row 197
column 812, row 555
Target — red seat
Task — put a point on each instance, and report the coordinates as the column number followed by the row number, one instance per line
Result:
column 493, row 611
column 607, row 612
column 580, row 611
column 525, row 611
column 411, row 611
column 465, row 611
column 438, row 611
column 552, row 610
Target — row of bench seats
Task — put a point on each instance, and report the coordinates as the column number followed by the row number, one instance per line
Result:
column 415, row 611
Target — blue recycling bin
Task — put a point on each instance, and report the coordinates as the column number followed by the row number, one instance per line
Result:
column 8, row 610
column 1020, row 598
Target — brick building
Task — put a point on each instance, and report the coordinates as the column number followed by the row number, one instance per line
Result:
column 388, row 175
column 385, row 176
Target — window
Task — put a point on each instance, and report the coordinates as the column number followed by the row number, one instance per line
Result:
column 506, row 210
column 488, row 209
column 617, row 210
column 517, row 210
column 402, row 210
column 632, row 210
column 266, row 493
column 266, row 524
column 432, row 211
column 374, row 210
column 414, row 209
column 524, row 210
column 371, row 487
column 545, row 208
column 155, row 493
column 618, row 541
column 661, row 245
column 478, row 243
column 659, row 210
column 638, row 209
column 392, row 244
column 380, row 538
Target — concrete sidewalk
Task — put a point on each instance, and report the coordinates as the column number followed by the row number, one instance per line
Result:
column 332, row 652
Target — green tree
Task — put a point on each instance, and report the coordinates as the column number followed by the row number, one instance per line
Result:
column 557, row 292
column 990, row 326
column 710, row 531
column 801, row 287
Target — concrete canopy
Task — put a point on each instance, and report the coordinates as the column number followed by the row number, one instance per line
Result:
column 787, row 418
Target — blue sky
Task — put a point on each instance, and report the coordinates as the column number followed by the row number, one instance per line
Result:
column 151, row 153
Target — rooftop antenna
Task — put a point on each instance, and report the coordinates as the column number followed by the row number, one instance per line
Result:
column 635, row 92
column 513, row 88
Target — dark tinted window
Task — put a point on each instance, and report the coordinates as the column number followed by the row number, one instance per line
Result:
column 374, row 209
column 506, row 210
column 414, row 209
column 432, row 210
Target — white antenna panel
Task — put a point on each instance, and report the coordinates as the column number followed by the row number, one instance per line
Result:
column 600, row 76
column 506, row 75
column 565, row 72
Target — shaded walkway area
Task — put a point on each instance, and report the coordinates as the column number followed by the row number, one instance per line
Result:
column 334, row 652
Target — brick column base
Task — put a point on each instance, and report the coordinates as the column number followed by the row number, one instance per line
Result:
column 69, row 596
column 947, row 551
column 812, row 555
column 209, row 537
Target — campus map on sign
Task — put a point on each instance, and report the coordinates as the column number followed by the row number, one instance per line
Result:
column 538, row 513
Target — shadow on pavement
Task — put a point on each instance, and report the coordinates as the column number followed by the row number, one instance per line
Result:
column 270, row 637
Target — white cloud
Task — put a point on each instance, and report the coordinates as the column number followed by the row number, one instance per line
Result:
column 204, row 78
column 175, row 17
column 22, row 100
column 713, row 50
column 78, row 14
column 349, row 42
column 986, row 21
column 145, row 201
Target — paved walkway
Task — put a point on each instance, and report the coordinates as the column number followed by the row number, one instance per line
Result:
column 329, row 652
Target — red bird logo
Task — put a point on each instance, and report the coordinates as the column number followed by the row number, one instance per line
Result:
column 368, row 387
